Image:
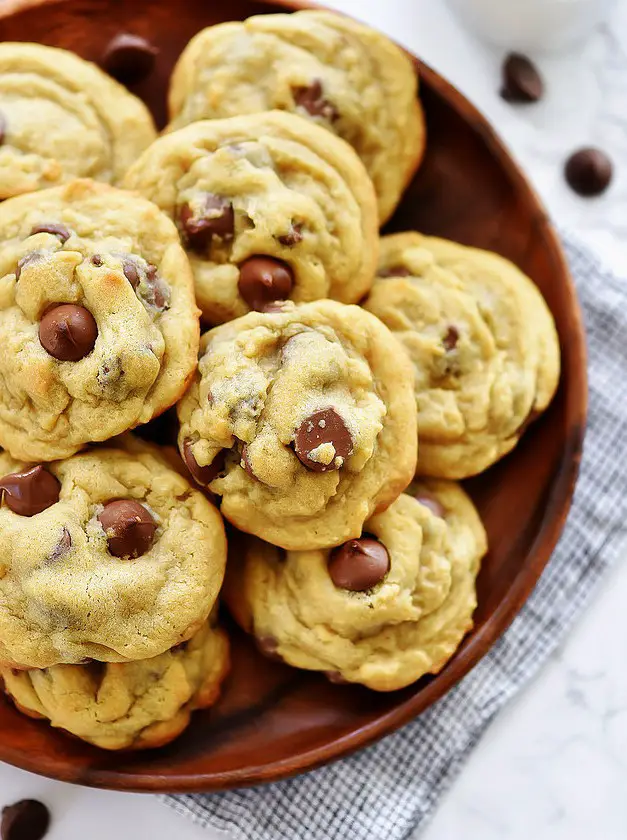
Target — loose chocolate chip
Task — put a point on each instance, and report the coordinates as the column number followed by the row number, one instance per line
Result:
column 55, row 228
column 451, row 338
column 131, row 272
column 63, row 546
column 521, row 80
column 129, row 527
column 394, row 271
column 26, row 820
column 97, row 260
column 26, row 260
column 588, row 172
column 293, row 236
column 29, row 492
column 263, row 280
column 3, row 127
column 433, row 504
column 129, row 58
column 215, row 218
column 68, row 332
column 202, row 475
column 312, row 100
column 336, row 678
column 268, row 646
column 359, row 565
column 320, row 428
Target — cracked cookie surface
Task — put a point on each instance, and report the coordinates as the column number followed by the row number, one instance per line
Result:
column 302, row 420
column 109, row 555
column 382, row 610
column 130, row 705
column 62, row 118
column 269, row 206
column 98, row 324
column 330, row 69
column 482, row 341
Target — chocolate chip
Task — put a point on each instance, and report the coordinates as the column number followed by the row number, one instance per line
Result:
column 129, row 527
column 312, row 100
column 274, row 306
column 26, row 820
column 293, row 236
column 394, row 271
column 336, row 678
column 27, row 259
column 521, row 80
column 29, row 492
column 268, row 646
column 432, row 503
column 358, row 565
column 131, row 272
column 245, row 461
column 129, row 58
column 68, row 332
column 263, row 280
column 3, row 128
column 214, row 218
column 63, row 546
column 451, row 338
column 202, row 475
column 97, row 260
column 589, row 172
column 323, row 427
column 158, row 293
column 55, row 228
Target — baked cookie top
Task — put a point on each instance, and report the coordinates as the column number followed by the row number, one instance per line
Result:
column 110, row 555
column 269, row 206
column 98, row 324
column 303, row 420
column 381, row 610
column 62, row 118
column 130, row 705
column 328, row 68
column 482, row 341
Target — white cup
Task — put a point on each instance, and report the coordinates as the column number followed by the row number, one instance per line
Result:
column 532, row 25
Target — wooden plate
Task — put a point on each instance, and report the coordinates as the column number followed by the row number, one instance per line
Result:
column 274, row 721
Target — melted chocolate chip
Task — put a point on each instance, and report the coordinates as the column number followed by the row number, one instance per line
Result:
column 63, row 546
column 358, row 565
column 202, row 475
column 214, row 218
column 54, row 228
column 589, row 172
column 158, row 293
column 129, row 58
column 25, row 820
column 293, row 236
column 394, row 271
column 263, row 280
column 268, row 646
column 129, row 527
column 3, row 128
column 323, row 427
column 27, row 260
column 68, row 332
column 432, row 503
column 521, row 80
column 311, row 98
column 28, row 493
column 451, row 338
column 336, row 678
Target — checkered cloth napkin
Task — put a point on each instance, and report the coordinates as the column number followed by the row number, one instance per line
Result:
column 389, row 790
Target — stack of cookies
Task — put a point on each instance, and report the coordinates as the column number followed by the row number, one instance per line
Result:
column 342, row 385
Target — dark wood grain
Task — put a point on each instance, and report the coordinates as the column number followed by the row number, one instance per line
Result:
column 274, row 721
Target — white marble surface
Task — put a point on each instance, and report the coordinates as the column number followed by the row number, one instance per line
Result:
column 553, row 766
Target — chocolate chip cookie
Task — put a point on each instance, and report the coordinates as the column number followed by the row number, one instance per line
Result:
column 332, row 70
column 98, row 324
column 270, row 207
column 130, row 705
column 63, row 118
column 382, row 610
column 110, row 555
column 303, row 420
column 482, row 342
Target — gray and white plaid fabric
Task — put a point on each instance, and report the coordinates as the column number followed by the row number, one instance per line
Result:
column 388, row 791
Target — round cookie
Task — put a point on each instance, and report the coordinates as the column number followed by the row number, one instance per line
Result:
column 62, row 118
column 98, row 324
column 483, row 345
column 331, row 69
column 130, row 705
column 382, row 610
column 269, row 206
column 110, row 555
column 303, row 420
column 336, row 72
